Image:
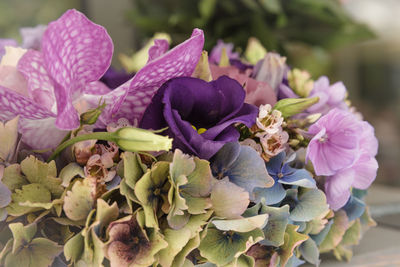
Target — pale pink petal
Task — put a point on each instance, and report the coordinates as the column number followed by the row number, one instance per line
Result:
column 337, row 188
column 368, row 142
column 40, row 85
column 13, row 104
column 131, row 99
column 365, row 168
column 40, row 134
column 76, row 51
column 338, row 158
column 158, row 49
column 12, row 79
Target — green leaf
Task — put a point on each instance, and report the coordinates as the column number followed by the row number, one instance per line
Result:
column 150, row 189
column 39, row 252
column 293, row 106
column 73, row 249
column 229, row 200
column 292, row 239
column 336, row 232
column 37, row 171
column 133, row 168
column 34, row 193
column 352, row 235
column 221, row 248
column 275, row 229
column 8, row 137
column 242, row 225
column 13, row 178
column 309, row 251
column 69, row 172
column 311, row 204
column 178, row 239
column 22, row 234
column 79, row 201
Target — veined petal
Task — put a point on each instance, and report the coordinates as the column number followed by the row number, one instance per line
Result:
column 366, row 168
column 131, row 99
column 35, row 133
column 337, row 188
column 13, row 104
column 76, row 51
column 40, row 85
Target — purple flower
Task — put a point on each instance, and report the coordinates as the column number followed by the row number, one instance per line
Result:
column 200, row 115
column 280, row 170
column 330, row 96
column 216, row 52
column 360, row 175
column 335, row 145
column 343, row 148
column 114, row 78
column 62, row 80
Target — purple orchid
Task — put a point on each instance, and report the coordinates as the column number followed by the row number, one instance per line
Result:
column 216, row 52
column 200, row 115
column 62, row 79
column 280, row 170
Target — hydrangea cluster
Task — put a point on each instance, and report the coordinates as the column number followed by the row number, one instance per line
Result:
column 232, row 160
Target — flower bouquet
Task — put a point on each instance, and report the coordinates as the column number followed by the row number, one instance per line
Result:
column 226, row 160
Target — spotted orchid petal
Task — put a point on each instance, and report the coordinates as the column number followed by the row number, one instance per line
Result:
column 13, row 104
column 75, row 51
column 40, row 84
column 158, row 49
column 131, row 99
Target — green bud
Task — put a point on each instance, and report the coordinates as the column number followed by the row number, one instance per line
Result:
column 202, row 70
column 293, row 106
column 135, row 139
column 255, row 51
column 300, row 81
column 90, row 117
column 224, row 60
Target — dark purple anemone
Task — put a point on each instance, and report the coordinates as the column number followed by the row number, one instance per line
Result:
column 185, row 104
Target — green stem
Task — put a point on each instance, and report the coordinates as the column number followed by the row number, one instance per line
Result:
column 91, row 136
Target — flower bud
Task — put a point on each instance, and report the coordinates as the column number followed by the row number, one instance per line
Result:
column 135, row 139
column 90, row 117
column 300, row 81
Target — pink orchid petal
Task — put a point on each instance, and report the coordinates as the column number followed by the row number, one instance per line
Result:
column 131, row 99
column 96, row 88
column 158, row 49
column 40, row 85
column 76, row 51
column 35, row 133
column 12, row 79
column 13, row 104
column 337, row 188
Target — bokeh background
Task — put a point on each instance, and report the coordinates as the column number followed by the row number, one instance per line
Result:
column 355, row 41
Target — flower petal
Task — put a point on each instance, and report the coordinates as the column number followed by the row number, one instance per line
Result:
column 272, row 195
column 158, row 49
column 337, row 188
column 40, row 85
column 366, row 168
column 300, row 177
column 32, row 36
column 131, row 99
column 13, row 104
column 75, row 51
column 35, row 133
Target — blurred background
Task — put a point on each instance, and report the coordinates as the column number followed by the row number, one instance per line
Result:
column 355, row 41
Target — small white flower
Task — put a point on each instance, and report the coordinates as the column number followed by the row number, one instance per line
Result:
column 269, row 121
column 273, row 144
